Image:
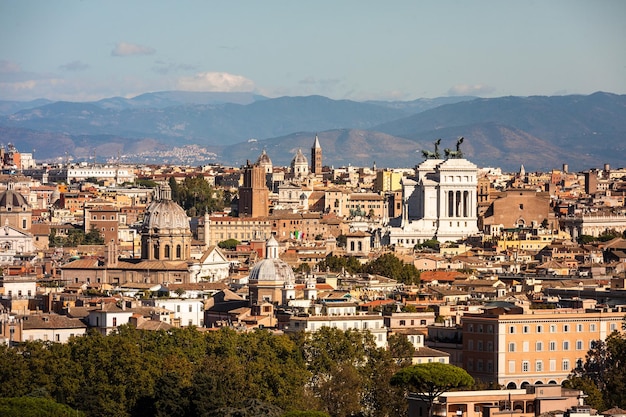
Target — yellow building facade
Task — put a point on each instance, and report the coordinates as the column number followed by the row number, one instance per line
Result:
column 532, row 347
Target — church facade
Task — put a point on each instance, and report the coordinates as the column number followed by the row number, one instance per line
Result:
column 438, row 203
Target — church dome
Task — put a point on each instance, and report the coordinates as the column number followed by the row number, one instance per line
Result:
column 165, row 213
column 299, row 159
column 264, row 159
column 10, row 199
column 272, row 268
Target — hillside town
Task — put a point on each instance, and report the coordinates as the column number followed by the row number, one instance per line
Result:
column 511, row 276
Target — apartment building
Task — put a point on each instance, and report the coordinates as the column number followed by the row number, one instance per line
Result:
column 215, row 229
column 516, row 348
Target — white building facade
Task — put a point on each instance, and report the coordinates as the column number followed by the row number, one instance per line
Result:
column 439, row 203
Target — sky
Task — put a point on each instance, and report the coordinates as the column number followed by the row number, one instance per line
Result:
column 343, row 49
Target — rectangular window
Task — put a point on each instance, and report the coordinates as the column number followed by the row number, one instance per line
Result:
column 552, row 365
column 511, row 347
column 539, row 329
column 565, row 364
column 190, row 308
column 565, row 345
column 524, row 366
column 553, row 328
column 579, row 327
column 511, row 367
column 566, row 328
column 579, row 345
column 552, row 346
column 592, row 327
column 539, row 346
column 525, row 346
column 511, row 329
column 539, row 366
column 525, row 329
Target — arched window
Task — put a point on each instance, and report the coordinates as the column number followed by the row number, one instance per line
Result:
column 167, row 251
column 178, row 252
column 156, row 251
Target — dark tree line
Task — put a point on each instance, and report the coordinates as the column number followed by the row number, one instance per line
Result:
column 197, row 196
column 387, row 265
column 602, row 376
column 184, row 372
column 75, row 237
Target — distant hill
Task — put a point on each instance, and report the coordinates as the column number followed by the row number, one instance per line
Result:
column 539, row 132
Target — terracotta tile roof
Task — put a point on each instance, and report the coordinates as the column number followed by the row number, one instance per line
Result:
column 441, row 276
column 51, row 321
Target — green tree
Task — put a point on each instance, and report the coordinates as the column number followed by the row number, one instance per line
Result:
column 428, row 244
column 427, row 381
column 604, row 368
column 146, row 183
column 400, row 349
column 389, row 265
column 229, row 244
column 594, row 395
column 197, row 194
column 339, row 263
column 35, row 407
column 93, row 237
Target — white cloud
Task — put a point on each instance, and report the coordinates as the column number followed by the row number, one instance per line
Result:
column 470, row 90
column 74, row 66
column 131, row 49
column 215, row 81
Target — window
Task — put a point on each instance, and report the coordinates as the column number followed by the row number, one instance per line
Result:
column 566, row 328
column 539, row 366
column 539, row 346
column 190, row 308
column 565, row 345
column 566, row 364
column 525, row 346
column 511, row 347
column 511, row 367
column 539, row 329
column 402, row 322
column 592, row 327
column 178, row 308
column 114, row 321
column 552, row 346
column 553, row 328
column 579, row 327
column 511, row 329
column 480, row 345
column 480, row 328
column 579, row 345
column 552, row 365
column 525, row 366
column 525, row 329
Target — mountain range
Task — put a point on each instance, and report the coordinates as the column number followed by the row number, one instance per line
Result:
column 539, row 132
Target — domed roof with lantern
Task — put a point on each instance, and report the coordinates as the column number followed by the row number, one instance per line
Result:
column 163, row 213
column 272, row 268
column 12, row 200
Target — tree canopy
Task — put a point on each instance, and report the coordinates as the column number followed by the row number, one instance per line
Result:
column 428, row 381
column 184, row 372
column 602, row 376
column 196, row 196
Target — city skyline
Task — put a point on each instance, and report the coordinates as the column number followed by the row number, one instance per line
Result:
column 83, row 51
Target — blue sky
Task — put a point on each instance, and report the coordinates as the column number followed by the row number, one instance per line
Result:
column 357, row 50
